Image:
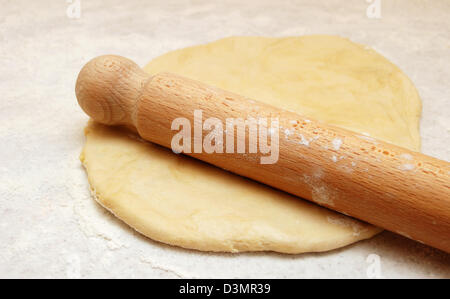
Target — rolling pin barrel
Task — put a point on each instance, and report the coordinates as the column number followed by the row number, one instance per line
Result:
column 392, row 187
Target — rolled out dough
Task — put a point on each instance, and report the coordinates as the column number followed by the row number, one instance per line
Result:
column 181, row 201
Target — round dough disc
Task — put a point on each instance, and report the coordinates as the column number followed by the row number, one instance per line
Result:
column 185, row 202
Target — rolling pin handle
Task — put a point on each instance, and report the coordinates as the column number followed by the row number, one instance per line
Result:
column 108, row 87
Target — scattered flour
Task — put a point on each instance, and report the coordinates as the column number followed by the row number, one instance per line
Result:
column 303, row 140
column 321, row 196
column 337, row 142
column 406, row 156
column 287, row 133
column 342, row 221
column 366, row 137
column 406, row 167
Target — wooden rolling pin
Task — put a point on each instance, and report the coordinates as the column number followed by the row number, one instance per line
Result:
column 389, row 186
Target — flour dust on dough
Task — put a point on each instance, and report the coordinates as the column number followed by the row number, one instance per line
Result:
column 181, row 201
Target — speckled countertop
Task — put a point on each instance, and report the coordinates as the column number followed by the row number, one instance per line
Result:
column 50, row 226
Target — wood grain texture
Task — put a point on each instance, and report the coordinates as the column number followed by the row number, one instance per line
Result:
column 392, row 187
